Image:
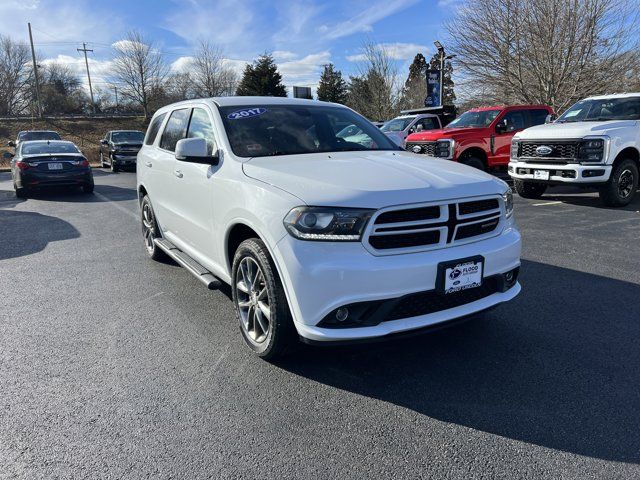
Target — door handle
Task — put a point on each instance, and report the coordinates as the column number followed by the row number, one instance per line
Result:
column 178, row 173
column 148, row 164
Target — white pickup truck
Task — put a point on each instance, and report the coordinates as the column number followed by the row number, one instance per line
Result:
column 596, row 142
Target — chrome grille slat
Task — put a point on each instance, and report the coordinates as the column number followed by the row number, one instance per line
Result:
column 426, row 148
column 562, row 151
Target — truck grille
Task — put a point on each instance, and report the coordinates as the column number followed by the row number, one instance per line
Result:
column 561, row 152
column 426, row 148
column 419, row 228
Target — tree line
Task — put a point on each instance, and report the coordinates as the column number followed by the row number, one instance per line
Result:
column 551, row 52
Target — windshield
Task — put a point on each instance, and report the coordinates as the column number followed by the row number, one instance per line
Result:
column 121, row 137
column 38, row 148
column 602, row 110
column 267, row 130
column 397, row 124
column 24, row 136
column 474, row 118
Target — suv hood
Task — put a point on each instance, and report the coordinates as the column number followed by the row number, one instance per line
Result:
column 574, row 129
column 371, row 179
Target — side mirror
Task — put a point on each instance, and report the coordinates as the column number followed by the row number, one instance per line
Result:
column 11, row 144
column 550, row 118
column 7, row 155
column 104, row 142
column 501, row 126
column 194, row 150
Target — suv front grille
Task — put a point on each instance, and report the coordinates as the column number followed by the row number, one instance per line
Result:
column 426, row 148
column 434, row 226
column 561, row 152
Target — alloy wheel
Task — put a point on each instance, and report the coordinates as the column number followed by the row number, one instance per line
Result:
column 148, row 227
column 253, row 300
column 625, row 183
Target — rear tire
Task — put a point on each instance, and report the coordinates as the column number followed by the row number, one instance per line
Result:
column 474, row 162
column 150, row 230
column 21, row 192
column 622, row 184
column 87, row 188
column 529, row 189
column 260, row 301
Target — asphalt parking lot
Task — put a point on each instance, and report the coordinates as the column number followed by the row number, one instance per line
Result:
column 114, row 366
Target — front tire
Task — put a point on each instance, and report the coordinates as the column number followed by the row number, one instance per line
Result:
column 101, row 160
column 114, row 167
column 150, row 230
column 622, row 184
column 474, row 162
column 261, row 305
column 529, row 189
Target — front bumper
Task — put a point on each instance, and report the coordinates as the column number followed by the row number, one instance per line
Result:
column 573, row 173
column 124, row 160
column 320, row 277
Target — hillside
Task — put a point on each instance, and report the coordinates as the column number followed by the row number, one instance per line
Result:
column 86, row 133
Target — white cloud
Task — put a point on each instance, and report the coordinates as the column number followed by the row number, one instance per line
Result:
column 100, row 70
column 364, row 21
column 284, row 55
column 396, row 51
column 181, row 64
column 304, row 71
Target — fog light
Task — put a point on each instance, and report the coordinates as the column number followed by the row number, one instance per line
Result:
column 342, row 314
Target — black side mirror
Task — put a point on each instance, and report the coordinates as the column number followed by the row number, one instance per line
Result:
column 7, row 155
column 104, row 142
column 550, row 118
column 501, row 126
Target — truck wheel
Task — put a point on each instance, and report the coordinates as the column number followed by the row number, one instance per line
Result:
column 261, row 305
column 101, row 160
column 150, row 230
column 622, row 184
column 529, row 189
column 21, row 192
column 114, row 167
column 474, row 162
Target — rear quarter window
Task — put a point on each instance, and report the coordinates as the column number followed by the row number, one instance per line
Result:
column 176, row 129
column 152, row 131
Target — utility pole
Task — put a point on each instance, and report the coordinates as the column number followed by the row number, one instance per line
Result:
column 86, row 62
column 35, row 73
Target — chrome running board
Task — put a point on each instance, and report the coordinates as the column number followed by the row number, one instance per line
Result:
column 185, row 261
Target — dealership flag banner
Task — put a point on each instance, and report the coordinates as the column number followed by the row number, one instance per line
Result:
column 433, row 89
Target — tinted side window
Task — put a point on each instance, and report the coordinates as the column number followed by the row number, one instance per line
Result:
column 175, row 130
column 515, row 120
column 200, row 127
column 428, row 123
column 152, row 131
column 537, row 117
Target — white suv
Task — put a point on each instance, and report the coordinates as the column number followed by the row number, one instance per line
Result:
column 596, row 142
column 332, row 239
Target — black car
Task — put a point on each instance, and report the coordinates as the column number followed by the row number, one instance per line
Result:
column 119, row 149
column 38, row 164
column 28, row 135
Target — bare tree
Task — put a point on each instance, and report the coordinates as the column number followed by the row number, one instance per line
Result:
column 16, row 75
column 211, row 76
column 180, row 86
column 141, row 70
column 374, row 92
column 546, row 51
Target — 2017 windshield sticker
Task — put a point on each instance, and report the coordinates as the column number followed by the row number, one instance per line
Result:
column 246, row 113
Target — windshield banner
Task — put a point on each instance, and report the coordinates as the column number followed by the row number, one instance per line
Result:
column 433, row 89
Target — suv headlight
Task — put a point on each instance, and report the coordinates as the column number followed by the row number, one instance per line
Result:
column 592, row 150
column 508, row 202
column 444, row 148
column 327, row 223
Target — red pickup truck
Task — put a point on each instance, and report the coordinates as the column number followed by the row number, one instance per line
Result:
column 480, row 137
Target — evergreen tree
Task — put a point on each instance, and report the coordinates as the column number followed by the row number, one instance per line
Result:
column 332, row 87
column 415, row 87
column 448, row 94
column 262, row 79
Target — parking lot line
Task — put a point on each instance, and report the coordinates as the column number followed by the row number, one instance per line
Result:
column 116, row 205
column 545, row 203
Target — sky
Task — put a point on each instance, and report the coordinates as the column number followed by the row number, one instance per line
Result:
column 302, row 35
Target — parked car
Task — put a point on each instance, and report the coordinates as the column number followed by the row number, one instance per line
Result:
column 52, row 163
column 596, row 142
column 398, row 128
column 27, row 135
column 119, row 149
column 480, row 137
column 334, row 240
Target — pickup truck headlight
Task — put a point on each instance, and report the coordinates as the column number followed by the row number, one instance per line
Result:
column 592, row 150
column 327, row 223
column 515, row 144
column 508, row 202
column 444, row 148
